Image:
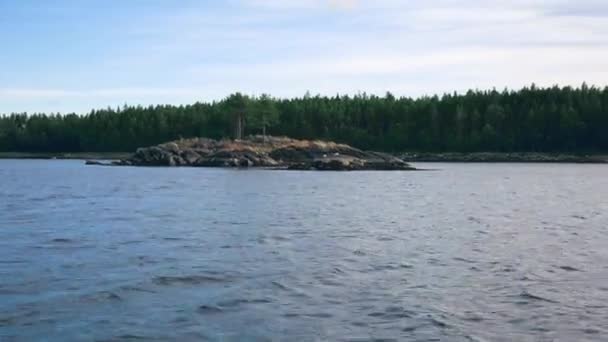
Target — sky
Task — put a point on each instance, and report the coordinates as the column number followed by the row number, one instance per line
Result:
column 75, row 55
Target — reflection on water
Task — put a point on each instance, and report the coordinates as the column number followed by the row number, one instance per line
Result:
column 467, row 253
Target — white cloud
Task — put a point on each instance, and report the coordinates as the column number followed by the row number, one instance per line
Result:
column 24, row 93
column 41, row 93
column 286, row 47
column 302, row 4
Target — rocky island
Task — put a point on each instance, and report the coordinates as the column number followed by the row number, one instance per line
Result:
column 260, row 151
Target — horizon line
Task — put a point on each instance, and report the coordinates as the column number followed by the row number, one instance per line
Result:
column 308, row 93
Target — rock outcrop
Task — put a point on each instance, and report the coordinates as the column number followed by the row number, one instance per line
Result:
column 257, row 151
column 94, row 162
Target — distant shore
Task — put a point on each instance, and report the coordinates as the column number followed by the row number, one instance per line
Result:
column 497, row 157
column 447, row 157
column 70, row 155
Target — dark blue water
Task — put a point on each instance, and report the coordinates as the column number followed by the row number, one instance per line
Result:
column 478, row 252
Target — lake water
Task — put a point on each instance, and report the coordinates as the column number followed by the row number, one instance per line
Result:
column 469, row 252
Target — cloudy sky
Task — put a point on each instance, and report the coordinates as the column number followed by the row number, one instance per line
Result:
column 74, row 55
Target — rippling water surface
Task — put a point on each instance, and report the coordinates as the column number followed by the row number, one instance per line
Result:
column 478, row 252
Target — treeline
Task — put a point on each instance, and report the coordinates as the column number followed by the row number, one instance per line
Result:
column 563, row 119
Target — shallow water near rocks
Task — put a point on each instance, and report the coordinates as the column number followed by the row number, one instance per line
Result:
column 471, row 252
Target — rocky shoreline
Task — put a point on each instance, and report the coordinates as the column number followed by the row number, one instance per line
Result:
column 65, row 155
column 258, row 151
column 494, row 157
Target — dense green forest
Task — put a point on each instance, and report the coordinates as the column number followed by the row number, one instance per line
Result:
column 531, row 119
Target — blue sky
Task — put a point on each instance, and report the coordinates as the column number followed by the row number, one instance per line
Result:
column 74, row 55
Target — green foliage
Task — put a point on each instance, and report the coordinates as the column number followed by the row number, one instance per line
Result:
column 532, row 119
column 263, row 113
column 237, row 107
